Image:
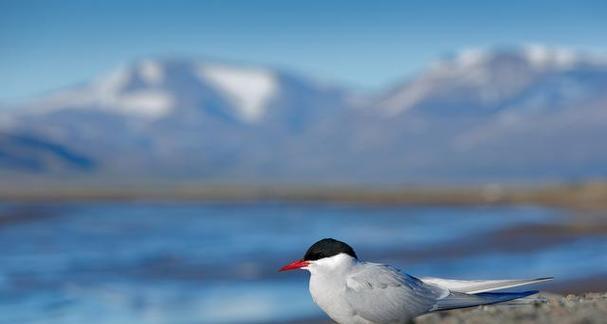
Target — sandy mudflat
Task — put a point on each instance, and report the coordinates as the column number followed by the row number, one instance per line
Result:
column 585, row 308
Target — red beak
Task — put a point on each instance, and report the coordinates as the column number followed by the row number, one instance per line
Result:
column 295, row 265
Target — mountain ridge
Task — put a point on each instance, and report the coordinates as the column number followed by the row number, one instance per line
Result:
column 478, row 116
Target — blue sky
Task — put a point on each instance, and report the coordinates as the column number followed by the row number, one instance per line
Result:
column 45, row 45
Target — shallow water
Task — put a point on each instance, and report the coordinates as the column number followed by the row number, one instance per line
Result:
column 215, row 263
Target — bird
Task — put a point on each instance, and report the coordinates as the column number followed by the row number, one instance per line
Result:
column 351, row 291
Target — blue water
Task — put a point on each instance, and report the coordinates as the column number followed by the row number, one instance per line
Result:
column 216, row 263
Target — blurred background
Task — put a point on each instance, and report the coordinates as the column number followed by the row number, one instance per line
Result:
column 160, row 160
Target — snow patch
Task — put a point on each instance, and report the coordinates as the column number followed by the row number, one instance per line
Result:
column 407, row 98
column 149, row 104
column 466, row 67
column 542, row 57
column 464, row 59
column 471, row 57
column 106, row 95
column 248, row 89
column 113, row 81
column 152, row 72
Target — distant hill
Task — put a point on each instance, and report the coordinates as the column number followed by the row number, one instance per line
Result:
column 528, row 114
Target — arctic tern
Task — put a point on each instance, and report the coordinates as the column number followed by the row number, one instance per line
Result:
column 352, row 291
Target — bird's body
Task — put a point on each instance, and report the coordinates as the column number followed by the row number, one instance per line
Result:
column 352, row 291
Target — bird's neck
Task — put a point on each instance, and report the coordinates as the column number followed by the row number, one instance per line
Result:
column 332, row 266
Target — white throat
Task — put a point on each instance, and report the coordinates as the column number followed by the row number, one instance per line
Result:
column 327, row 285
column 334, row 265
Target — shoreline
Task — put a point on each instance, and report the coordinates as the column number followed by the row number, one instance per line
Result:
column 587, row 196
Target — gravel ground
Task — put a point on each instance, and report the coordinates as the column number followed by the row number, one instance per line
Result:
column 586, row 308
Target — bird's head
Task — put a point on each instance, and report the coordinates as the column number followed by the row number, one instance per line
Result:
column 327, row 253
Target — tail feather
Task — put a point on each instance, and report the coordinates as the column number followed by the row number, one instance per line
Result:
column 481, row 286
column 463, row 300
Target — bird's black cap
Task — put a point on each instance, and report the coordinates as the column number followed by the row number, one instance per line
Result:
column 328, row 247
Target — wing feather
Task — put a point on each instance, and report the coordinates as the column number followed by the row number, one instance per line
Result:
column 462, row 300
column 480, row 286
column 382, row 294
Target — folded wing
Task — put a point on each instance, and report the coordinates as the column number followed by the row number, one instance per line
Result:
column 468, row 293
column 381, row 294
column 462, row 300
column 480, row 286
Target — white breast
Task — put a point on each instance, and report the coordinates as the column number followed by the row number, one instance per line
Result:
column 328, row 295
column 328, row 286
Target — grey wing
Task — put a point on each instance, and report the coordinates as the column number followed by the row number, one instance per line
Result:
column 382, row 294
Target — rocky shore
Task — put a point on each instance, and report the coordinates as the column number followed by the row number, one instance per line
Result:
column 585, row 308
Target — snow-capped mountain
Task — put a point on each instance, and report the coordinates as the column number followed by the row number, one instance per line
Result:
column 180, row 116
column 479, row 82
column 520, row 114
column 156, row 89
column 526, row 113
